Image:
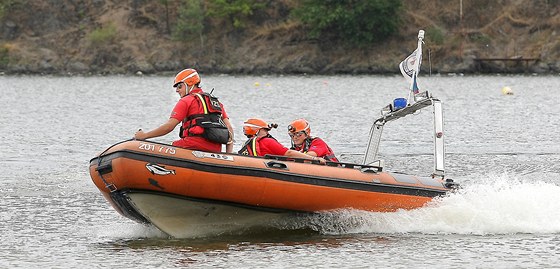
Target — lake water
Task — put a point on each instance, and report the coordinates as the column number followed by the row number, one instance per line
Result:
column 503, row 149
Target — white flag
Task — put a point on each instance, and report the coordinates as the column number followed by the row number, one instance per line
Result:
column 410, row 67
column 407, row 66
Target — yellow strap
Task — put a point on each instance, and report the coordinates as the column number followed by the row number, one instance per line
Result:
column 203, row 103
column 254, row 146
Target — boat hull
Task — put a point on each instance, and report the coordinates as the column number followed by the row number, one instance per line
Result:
column 180, row 190
column 186, row 218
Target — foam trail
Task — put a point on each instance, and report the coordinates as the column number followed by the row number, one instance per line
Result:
column 498, row 205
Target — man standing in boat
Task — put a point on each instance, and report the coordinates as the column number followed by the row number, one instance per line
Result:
column 205, row 123
column 261, row 143
column 302, row 141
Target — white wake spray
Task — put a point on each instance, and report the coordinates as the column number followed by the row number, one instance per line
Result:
column 494, row 205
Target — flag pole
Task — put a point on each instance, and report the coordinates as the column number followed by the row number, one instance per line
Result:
column 413, row 84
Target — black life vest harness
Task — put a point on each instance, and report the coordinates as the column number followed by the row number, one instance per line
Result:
column 211, row 116
column 251, row 146
column 307, row 144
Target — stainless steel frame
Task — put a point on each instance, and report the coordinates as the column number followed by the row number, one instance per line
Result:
column 422, row 100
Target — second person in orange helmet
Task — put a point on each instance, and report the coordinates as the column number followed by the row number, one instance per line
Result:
column 205, row 123
column 300, row 133
column 261, row 143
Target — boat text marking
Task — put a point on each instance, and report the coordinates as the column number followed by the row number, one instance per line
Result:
column 201, row 154
column 158, row 148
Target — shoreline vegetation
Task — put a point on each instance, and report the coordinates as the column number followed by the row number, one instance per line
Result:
column 264, row 37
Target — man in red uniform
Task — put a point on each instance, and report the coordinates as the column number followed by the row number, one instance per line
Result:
column 261, row 142
column 302, row 141
column 199, row 112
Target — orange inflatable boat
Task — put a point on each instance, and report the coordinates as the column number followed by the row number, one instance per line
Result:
column 186, row 193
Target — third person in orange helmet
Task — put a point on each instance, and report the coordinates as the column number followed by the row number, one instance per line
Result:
column 261, row 143
column 302, row 141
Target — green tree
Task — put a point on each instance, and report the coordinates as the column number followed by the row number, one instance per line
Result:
column 103, row 36
column 4, row 56
column 236, row 11
column 355, row 21
column 190, row 21
column 166, row 4
column 8, row 5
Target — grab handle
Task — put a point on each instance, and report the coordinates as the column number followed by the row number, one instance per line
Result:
column 104, row 168
column 278, row 165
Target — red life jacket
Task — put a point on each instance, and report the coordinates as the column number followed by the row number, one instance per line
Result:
column 209, row 123
column 251, row 146
column 307, row 144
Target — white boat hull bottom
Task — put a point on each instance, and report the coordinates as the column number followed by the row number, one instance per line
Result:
column 182, row 218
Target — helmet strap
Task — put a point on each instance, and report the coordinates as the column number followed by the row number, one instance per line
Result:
column 189, row 90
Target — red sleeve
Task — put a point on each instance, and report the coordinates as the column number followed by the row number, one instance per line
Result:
column 224, row 114
column 271, row 146
column 319, row 146
column 180, row 110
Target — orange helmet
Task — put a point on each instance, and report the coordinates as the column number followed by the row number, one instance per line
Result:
column 188, row 76
column 252, row 126
column 298, row 126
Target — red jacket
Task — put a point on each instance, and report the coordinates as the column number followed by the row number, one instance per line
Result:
column 318, row 146
column 261, row 146
column 190, row 105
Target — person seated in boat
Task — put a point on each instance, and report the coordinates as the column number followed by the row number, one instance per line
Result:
column 260, row 142
column 302, row 141
column 205, row 123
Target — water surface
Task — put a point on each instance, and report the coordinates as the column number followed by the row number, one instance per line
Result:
column 503, row 149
